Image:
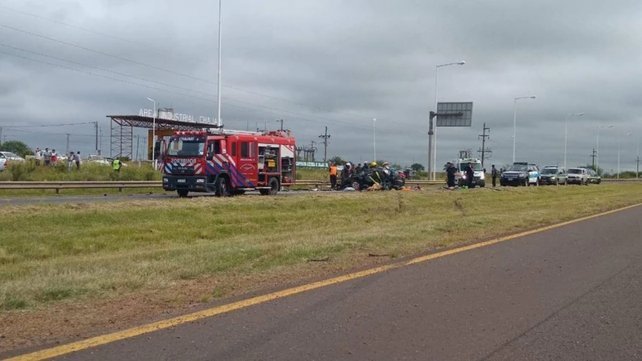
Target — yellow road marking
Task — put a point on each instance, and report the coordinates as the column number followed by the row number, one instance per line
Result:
column 160, row 325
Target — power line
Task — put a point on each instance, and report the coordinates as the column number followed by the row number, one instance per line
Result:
column 100, row 75
column 99, row 52
column 144, row 65
column 47, row 125
column 87, row 30
column 103, row 69
column 146, row 45
column 273, row 109
column 191, row 96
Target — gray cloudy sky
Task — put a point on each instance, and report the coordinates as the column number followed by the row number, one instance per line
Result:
column 337, row 64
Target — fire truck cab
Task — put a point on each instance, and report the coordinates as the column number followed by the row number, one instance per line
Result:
column 229, row 162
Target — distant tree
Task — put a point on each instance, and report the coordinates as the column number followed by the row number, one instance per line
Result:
column 337, row 160
column 417, row 167
column 17, row 147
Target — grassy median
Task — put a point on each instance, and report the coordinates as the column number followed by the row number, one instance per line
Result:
column 75, row 253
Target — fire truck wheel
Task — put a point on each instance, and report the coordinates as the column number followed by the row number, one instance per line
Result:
column 222, row 188
column 182, row 192
column 274, row 187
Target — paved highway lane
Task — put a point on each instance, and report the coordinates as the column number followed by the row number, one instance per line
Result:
column 570, row 293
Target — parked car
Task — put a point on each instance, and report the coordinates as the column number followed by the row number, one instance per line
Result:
column 578, row 176
column 520, row 173
column 7, row 158
column 99, row 159
column 593, row 177
column 552, row 174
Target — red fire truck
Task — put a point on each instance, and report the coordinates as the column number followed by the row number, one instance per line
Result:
column 229, row 162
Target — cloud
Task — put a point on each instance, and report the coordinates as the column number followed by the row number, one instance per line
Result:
column 337, row 64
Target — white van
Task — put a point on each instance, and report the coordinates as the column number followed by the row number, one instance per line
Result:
column 479, row 176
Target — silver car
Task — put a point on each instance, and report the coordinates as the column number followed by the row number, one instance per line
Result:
column 578, row 176
column 552, row 175
column 7, row 158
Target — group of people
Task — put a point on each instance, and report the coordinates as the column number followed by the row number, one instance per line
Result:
column 46, row 156
column 451, row 171
column 368, row 176
column 50, row 158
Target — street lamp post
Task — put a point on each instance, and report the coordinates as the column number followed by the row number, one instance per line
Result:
column 374, row 139
column 619, row 147
column 153, row 132
column 432, row 127
column 597, row 146
column 566, row 133
column 515, row 119
column 219, row 123
column 637, row 162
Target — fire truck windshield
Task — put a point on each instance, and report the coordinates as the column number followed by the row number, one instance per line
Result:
column 186, row 147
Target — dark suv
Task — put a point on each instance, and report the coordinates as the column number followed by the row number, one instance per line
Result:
column 520, row 173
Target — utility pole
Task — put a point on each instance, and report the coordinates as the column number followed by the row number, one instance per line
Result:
column 325, row 136
column 96, row 126
column 0, row 135
column 637, row 167
column 67, row 149
column 483, row 137
column 313, row 150
column 593, row 156
column 280, row 120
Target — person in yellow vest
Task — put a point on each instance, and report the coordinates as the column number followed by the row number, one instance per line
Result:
column 116, row 164
column 333, row 175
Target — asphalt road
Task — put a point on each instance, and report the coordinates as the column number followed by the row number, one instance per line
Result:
column 571, row 293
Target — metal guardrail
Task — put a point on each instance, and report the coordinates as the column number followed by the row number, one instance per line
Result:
column 58, row 185
column 327, row 183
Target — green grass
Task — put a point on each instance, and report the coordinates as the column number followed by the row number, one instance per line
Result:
column 28, row 171
column 78, row 252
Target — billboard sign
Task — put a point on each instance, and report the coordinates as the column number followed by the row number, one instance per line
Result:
column 454, row 114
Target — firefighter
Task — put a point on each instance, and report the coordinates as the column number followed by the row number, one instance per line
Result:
column 116, row 164
column 375, row 176
column 346, row 175
column 333, row 175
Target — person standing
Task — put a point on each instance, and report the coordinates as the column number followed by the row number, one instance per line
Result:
column 38, row 155
column 450, row 175
column 470, row 175
column 116, row 164
column 493, row 174
column 54, row 157
column 46, row 156
column 70, row 161
column 333, row 175
column 77, row 159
